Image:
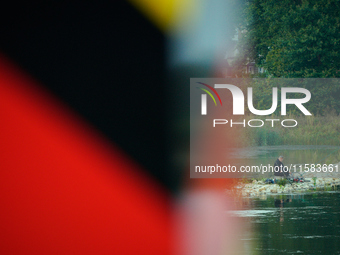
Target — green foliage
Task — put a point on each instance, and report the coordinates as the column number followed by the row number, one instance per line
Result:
column 263, row 137
column 325, row 95
column 291, row 38
column 328, row 188
column 263, row 179
column 311, row 130
column 314, row 180
column 282, row 182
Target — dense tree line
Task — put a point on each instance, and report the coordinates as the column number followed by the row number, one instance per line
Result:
column 293, row 39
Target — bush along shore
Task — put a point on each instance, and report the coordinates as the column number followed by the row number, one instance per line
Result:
column 259, row 187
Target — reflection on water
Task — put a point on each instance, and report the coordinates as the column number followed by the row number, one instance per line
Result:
column 293, row 224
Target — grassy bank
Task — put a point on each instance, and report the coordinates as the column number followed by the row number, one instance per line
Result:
column 311, row 130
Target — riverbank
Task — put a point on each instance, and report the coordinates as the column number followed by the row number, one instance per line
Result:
column 258, row 187
column 313, row 181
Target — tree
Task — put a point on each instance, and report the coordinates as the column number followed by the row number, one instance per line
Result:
column 291, row 38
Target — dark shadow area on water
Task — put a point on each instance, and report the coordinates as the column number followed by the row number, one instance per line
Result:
column 293, row 224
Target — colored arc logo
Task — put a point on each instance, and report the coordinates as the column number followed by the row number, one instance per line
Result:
column 208, row 92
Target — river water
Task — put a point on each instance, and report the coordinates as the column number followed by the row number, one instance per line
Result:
column 292, row 224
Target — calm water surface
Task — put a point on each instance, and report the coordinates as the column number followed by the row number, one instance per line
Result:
column 292, row 224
